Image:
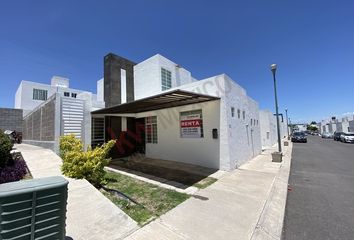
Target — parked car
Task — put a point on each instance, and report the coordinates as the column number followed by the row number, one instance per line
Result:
column 347, row 137
column 327, row 135
column 299, row 137
column 336, row 136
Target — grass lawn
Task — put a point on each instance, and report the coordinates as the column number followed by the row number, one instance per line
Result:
column 154, row 201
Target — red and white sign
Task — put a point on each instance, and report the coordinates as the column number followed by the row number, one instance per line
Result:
column 191, row 125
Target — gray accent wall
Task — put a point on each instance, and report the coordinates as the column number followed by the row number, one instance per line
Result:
column 11, row 119
column 112, row 79
column 40, row 124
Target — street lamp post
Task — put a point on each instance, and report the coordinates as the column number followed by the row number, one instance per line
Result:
column 273, row 68
column 287, row 122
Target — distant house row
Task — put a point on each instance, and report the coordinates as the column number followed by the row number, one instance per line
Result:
column 155, row 107
column 333, row 124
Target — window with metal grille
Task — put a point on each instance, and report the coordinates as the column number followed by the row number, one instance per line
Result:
column 151, row 129
column 39, row 94
column 97, row 131
column 166, row 79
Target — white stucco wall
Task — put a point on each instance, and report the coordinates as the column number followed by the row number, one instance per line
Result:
column 147, row 76
column 268, row 125
column 235, row 136
column 244, row 137
column 18, row 96
column 100, row 96
column 200, row 151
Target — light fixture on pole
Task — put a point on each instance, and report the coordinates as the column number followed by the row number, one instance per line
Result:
column 273, row 68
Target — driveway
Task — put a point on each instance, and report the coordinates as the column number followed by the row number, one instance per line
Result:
column 321, row 203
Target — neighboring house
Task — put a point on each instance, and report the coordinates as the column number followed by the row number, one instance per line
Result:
column 333, row 124
column 29, row 94
column 161, row 110
column 301, row 127
column 55, row 110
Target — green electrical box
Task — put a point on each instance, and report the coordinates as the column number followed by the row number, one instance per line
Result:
column 33, row 209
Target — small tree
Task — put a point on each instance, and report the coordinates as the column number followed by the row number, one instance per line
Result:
column 89, row 164
column 312, row 128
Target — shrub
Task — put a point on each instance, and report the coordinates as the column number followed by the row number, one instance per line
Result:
column 78, row 163
column 5, row 148
column 69, row 143
column 13, row 172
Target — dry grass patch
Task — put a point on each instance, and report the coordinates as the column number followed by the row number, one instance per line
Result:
column 153, row 200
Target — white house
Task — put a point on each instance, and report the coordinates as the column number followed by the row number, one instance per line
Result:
column 30, row 94
column 55, row 110
column 210, row 122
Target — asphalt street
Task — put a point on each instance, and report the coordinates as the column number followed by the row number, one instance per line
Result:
column 320, row 203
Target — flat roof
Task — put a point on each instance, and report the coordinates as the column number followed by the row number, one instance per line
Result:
column 170, row 99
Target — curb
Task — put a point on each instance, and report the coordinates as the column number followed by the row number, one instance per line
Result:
column 270, row 222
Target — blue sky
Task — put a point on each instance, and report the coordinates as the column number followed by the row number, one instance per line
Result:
column 311, row 41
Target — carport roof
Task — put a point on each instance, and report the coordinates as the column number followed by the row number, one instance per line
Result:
column 165, row 100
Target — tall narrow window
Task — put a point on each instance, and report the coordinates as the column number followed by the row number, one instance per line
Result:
column 238, row 113
column 267, row 135
column 151, row 129
column 166, row 79
column 243, row 115
column 232, row 112
column 97, row 131
column 39, row 94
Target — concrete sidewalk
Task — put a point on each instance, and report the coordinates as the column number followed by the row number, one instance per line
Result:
column 90, row 215
column 243, row 204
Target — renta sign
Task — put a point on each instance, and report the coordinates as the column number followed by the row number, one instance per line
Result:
column 191, row 124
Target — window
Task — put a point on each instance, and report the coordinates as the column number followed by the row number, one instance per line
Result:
column 151, row 129
column 243, row 115
column 39, row 94
column 257, row 122
column 267, row 135
column 251, row 121
column 232, row 112
column 166, row 82
column 66, row 94
column 73, row 95
column 97, row 131
column 238, row 113
column 191, row 124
